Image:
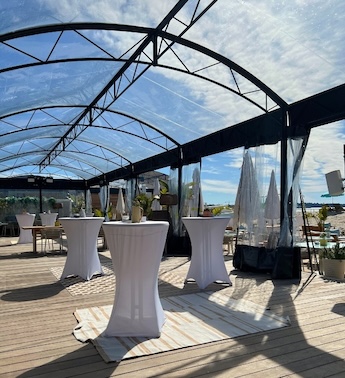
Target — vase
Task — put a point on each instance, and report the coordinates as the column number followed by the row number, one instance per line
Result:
column 137, row 213
column 334, row 268
column 323, row 242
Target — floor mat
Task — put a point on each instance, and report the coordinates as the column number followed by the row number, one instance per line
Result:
column 191, row 319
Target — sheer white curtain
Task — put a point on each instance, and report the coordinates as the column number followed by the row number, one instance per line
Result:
column 88, row 205
column 195, row 200
column 248, row 212
column 295, row 153
column 130, row 193
column 174, row 210
column 104, row 199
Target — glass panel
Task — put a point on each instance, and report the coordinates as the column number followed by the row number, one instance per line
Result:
column 180, row 107
column 18, row 14
column 290, row 46
column 74, row 83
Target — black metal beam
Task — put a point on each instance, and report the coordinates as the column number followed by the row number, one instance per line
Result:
column 320, row 109
column 59, row 184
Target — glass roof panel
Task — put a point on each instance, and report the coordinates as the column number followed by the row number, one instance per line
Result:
column 128, row 111
column 295, row 47
column 38, row 135
column 30, row 119
column 183, row 106
column 94, row 156
column 128, row 146
column 53, row 84
column 124, row 124
column 19, row 14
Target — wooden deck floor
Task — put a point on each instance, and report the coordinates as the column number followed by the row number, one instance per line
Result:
column 36, row 322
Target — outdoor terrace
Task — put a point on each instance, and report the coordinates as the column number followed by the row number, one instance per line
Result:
column 37, row 320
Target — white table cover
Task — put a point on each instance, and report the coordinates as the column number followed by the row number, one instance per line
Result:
column 136, row 250
column 48, row 219
column 207, row 262
column 316, row 245
column 26, row 219
column 82, row 255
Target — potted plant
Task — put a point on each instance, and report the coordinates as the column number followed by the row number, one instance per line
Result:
column 145, row 202
column 321, row 217
column 323, row 239
column 166, row 198
column 332, row 261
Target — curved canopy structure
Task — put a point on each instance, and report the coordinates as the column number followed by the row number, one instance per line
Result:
column 102, row 90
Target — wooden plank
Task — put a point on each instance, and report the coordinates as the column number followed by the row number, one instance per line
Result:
column 37, row 319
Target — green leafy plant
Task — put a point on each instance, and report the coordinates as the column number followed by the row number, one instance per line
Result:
column 218, row 209
column 144, row 201
column 164, row 187
column 320, row 216
column 78, row 202
column 335, row 253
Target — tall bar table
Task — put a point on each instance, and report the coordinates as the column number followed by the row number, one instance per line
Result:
column 25, row 219
column 136, row 251
column 48, row 219
column 207, row 262
column 82, row 255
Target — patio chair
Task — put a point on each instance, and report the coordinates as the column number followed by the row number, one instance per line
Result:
column 48, row 237
column 101, row 236
column 228, row 239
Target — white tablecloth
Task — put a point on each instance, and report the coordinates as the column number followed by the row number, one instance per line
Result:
column 136, row 250
column 82, row 255
column 207, row 262
column 317, row 245
column 25, row 236
column 48, row 219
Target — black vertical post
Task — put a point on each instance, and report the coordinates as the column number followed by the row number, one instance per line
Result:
column 179, row 195
column 344, row 159
column 40, row 195
column 283, row 167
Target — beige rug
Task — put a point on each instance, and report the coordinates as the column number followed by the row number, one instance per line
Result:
column 191, row 319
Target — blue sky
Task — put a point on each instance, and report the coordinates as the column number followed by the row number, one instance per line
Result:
column 220, row 174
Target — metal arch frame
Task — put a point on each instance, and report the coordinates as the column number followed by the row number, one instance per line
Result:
column 3, row 160
column 144, row 63
column 111, row 89
column 150, row 32
column 41, row 108
column 163, row 134
column 220, row 58
column 151, row 36
column 93, row 143
column 72, row 170
column 100, row 126
column 146, row 41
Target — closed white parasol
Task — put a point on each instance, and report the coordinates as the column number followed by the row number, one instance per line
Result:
column 247, row 203
column 120, row 205
column 272, row 210
column 272, row 204
column 156, row 194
